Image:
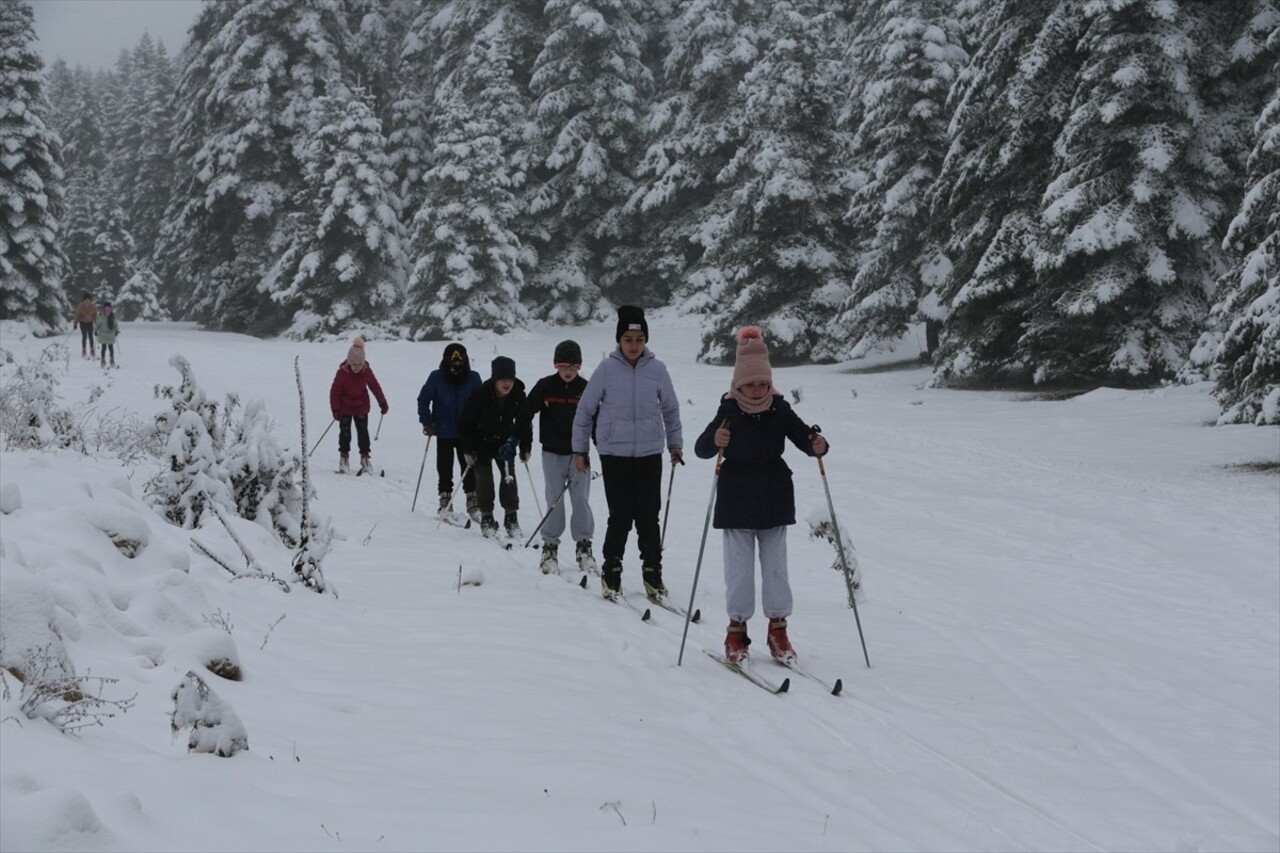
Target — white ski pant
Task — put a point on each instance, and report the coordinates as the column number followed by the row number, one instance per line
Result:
column 740, row 575
column 555, row 467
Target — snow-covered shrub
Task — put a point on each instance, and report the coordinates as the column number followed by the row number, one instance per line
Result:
column 30, row 415
column 264, row 478
column 215, row 727
column 194, row 435
column 194, row 477
column 66, row 700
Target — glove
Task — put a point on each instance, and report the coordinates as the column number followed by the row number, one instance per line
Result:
column 524, row 456
column 428, row 428
column 508, row 449
column 386, row 409
column 469, row 458
column 677, row 456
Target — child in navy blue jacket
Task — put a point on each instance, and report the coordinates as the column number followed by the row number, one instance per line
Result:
column 440, row 404
column 755, row 498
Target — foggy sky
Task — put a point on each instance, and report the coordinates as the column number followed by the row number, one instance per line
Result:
column 93, row 32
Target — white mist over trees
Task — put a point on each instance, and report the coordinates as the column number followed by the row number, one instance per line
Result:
column 1070, row 191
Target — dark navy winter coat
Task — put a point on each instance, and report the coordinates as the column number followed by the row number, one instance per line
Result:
column 754, row 491
column 441, row 400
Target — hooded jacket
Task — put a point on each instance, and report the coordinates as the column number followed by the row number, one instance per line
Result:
column 634, row 409
column 443, row 396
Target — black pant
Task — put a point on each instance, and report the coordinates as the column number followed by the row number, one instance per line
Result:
column 446, row 451
column 633, row 490
column 507, row 494
column 86, row 336
column 362, row 433
column 109, row 348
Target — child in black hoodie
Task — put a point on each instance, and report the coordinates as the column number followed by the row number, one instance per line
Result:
column 491, row 430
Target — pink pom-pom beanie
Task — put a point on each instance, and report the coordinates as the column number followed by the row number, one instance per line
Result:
column 355, row 355
column 752, row 364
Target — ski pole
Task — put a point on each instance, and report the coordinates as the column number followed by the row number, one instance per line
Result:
column 844, row 561
column 706, row 525
column 421, row 468
column 465, row 472
column 379, row 430
column 533, row 487
column 662, row 540
column 323, row 434
column 550, row 510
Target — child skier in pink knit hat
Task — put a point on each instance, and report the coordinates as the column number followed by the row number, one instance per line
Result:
column 349, row 402
column 755, row 498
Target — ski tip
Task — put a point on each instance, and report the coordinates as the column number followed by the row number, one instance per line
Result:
column 835, row 691
column 697, row 615
column 583, row 583
column 785, row 686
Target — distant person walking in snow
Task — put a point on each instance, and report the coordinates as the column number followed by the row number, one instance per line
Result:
column 107, row 328
column 755, row 497
column 631, row 410
column 349, row 401
column 440, row 404
column 85, row 317
column 491, row 431
column 555, row 398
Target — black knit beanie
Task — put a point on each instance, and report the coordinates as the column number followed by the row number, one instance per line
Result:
column 568, row 352
column 502, row 368
column 631, row 318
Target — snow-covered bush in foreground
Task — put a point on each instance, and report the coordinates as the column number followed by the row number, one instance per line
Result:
column 215, row 727
column 212, row 459
column 30, row 413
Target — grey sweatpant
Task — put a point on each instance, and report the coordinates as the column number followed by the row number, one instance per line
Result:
column 555, row 467
column 740, row 574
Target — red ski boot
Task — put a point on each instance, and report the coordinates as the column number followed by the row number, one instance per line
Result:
column 736, row 642
column 779, row 645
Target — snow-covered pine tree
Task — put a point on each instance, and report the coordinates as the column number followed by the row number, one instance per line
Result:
column 31, row 262
column 189, row 397
column 470, row 263
column 347, row 262
column 1131, row 212
column 378, row 29
column 141, row 168
column 900, row 145
column 408, row 141
column 779, row 251
column 84, row 160
column 194, row 438
column 1248, row 358
column 193, row 477
column 693, row 129
column 112, row 259
column 139, row 298
column 264, row 476
column 590, row 88
column 1005, row 110
column 252, row 70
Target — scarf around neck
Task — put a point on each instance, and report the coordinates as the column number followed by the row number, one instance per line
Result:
column 752, row 407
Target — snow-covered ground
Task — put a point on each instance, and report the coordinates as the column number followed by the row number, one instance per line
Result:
column 1072, row 611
